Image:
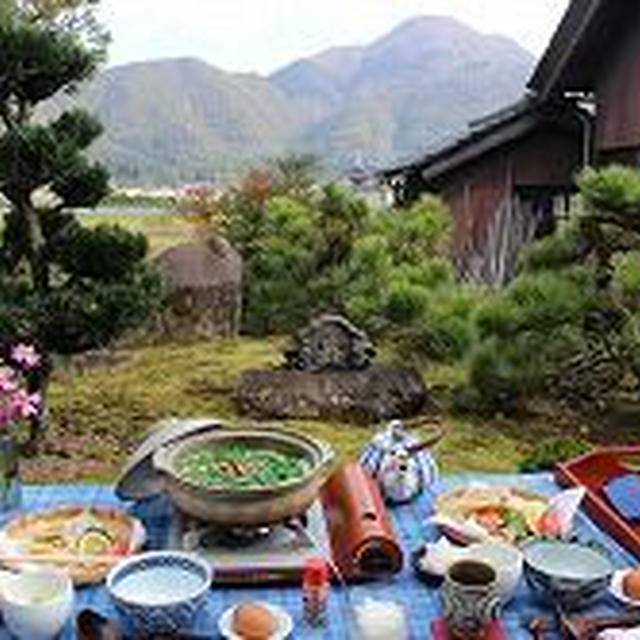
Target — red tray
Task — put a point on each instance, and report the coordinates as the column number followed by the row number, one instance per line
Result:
column 593, row 471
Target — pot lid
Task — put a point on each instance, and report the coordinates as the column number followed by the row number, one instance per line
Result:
column 138, row 479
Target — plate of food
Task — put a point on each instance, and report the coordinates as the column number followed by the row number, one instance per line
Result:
column 85, row 541
column 492, row 513
column 255, row 620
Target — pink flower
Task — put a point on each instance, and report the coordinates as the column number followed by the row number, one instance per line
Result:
column 24, row 404
column 8, row 382
column 26, row 356
column 5, row 417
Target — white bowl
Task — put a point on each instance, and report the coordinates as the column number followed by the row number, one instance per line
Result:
column 507, row 562
column 37, row 603
column 160, row 591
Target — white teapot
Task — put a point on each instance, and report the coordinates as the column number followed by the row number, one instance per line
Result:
column 402, row 465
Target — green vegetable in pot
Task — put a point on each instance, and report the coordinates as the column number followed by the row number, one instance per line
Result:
column 240, row 466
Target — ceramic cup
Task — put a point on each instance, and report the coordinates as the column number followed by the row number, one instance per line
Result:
column 471, row 598
column 37, row 603
column 506, row 559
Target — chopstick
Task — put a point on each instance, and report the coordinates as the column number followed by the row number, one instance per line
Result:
column 60, row 559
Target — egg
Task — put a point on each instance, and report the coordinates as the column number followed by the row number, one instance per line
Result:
column 631, row 584
column 253, row 621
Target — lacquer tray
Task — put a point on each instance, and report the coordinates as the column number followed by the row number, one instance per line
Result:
column 593, row 471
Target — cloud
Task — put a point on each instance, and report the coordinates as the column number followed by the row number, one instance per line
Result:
column 261, row 35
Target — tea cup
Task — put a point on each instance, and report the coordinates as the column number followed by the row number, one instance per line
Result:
column 37, row 603
column 506, row 559
column 471, row 598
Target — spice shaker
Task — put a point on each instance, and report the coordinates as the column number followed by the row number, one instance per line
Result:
column 315, row 588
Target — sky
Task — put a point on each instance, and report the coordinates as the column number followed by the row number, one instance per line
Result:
column 263, row 35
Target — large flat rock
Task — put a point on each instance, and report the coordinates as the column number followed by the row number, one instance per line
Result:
column 370, row 395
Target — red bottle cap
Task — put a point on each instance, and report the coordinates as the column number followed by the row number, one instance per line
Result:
column 316, row 572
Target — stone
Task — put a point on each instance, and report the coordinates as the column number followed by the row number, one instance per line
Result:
column 329, row 342
column 365, row 396
column 203, row 286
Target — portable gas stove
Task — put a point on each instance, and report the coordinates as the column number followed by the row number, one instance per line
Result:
column 255, row 555
column 348, row 523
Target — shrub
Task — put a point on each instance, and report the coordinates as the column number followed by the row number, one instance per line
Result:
column 423, row 230
column 626, row 277
column 569, row 324
column 555, row 251
column 307, row 251
column 102, row 253
column 545, row 455
column 277, row 273
column 405, row 301
column 498, row 316
column 611, row 189
column 548, row 300
column 500, row 371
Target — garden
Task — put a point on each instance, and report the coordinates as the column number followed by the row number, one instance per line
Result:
column 523, row 376
column 538, row 370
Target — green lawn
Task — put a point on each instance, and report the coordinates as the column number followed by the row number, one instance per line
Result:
column 99, row 413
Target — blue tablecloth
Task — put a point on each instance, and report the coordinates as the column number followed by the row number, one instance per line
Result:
column 421, row 604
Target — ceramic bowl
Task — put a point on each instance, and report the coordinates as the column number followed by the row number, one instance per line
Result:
column 571, row 574
column 249, row 506
column 37, row 603
column 160, row 591
column 507, row 562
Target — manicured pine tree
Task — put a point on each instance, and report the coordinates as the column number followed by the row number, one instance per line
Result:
column 63, row 286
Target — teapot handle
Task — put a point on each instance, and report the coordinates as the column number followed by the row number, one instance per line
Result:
column 428, row 442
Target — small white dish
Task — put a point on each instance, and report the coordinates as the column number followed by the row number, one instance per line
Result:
column 36, row 603
column 617, row 590
column 285, row 623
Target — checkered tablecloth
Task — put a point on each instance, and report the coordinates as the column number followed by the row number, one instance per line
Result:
column 421, row 604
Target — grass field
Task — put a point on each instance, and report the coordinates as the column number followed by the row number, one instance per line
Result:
column 99, row 413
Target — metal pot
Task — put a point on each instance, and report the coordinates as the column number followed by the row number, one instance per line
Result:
column 252, row 506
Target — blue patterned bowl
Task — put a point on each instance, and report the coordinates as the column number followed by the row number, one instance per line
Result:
column 571, row 574
column 160, row 591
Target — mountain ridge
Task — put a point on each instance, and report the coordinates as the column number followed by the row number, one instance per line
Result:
column 182, row 119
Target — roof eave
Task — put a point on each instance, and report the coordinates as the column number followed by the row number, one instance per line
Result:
column 548, row 74
column 475, row 149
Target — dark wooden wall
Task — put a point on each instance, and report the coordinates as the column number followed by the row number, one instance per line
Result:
column 477, row 193
column 547, row 158
column 618, row 94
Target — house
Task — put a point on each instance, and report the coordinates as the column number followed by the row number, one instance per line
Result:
column 595, row 53
column 510, row 178
column 506, row 182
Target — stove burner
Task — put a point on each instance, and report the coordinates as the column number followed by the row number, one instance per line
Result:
column 233, row 537
column 239, row 537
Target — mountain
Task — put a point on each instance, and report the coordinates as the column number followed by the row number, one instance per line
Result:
column 183, row 120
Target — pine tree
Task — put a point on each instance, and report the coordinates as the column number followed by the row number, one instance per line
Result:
column 65, row 287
